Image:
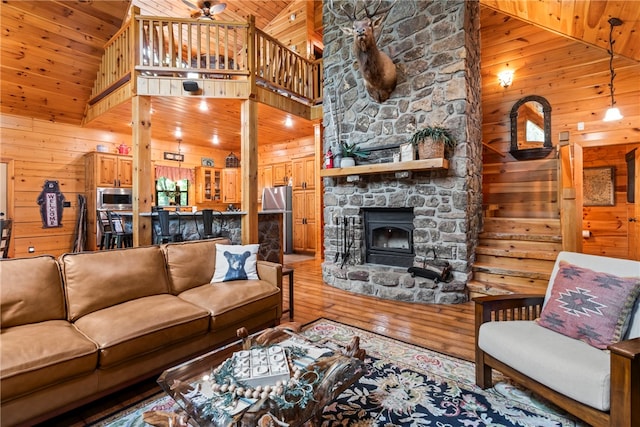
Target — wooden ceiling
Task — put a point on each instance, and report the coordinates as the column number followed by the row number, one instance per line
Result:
column 51, row 51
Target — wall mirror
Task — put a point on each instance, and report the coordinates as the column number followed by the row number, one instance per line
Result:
column 531, row 128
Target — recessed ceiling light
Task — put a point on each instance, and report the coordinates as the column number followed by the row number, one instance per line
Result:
column 203, row 105
column 215, row 140
column 178, row 133
column 288, row 122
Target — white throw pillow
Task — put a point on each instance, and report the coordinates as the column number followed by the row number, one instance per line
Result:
column 236, row 262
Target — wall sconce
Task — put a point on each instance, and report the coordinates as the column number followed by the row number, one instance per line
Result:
column 505, row 78
column 612, row 112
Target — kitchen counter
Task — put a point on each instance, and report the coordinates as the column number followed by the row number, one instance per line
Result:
column 189, row 225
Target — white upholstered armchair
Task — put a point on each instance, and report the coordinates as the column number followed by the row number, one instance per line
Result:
column 578, row 345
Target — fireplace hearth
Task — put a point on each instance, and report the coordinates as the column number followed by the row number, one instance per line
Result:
column 389, row 236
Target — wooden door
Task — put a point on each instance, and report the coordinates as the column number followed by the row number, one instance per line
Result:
column 310, row 220
column 125, row 172
column 230, row 185
column 299, row 207
column 280, row 175
column 633, row 212
column 106, row 170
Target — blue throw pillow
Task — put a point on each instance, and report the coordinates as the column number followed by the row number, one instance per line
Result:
column 236, row 262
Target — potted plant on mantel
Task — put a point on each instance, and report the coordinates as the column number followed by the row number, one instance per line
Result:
column 349, row 154
column 431, row 142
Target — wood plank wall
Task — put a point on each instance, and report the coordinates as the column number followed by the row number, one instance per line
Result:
column 574, row 78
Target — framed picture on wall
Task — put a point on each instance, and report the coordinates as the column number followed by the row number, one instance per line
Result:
column 599, row 186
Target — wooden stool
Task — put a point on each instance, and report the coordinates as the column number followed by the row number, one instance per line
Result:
column 287, row 271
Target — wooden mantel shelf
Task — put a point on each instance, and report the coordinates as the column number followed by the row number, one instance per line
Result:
column 412, row 165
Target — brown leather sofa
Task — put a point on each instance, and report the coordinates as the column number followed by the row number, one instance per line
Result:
column 87, row 324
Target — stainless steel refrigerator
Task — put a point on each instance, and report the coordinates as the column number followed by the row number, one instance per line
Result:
column 279, row 199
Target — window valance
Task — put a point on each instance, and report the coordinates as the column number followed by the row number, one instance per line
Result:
column 175, row 174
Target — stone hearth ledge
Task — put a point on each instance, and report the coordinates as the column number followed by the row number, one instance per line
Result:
column 393, row 283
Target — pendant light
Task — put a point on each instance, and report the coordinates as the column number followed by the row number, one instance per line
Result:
column 613, row 113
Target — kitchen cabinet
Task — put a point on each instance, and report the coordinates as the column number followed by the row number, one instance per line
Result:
column 230, row 187
column 109, row 170
column 304, row 221
column 208, row 185
column 304, row 173
column 265, row 179
column 281, row 173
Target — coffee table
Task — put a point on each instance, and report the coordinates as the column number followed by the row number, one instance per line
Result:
column 276, row 377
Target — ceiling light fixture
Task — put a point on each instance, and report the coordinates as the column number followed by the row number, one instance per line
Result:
column 505, row 78
column 215, row 140
column 203, row 105
column 288, row 122
column 613, row 113
column 178, row 133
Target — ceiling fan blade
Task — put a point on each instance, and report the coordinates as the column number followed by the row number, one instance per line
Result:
column 217, row 8
column 189, row 4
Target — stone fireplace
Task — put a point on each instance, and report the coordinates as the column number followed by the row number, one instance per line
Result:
column 388, row 236
column 435, row 46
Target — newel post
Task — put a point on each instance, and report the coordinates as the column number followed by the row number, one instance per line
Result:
column 570, row 161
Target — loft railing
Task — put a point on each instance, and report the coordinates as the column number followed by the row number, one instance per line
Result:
column 283, row 69
column 189, row 48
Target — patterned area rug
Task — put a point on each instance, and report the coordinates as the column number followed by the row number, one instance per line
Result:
column 405, row 385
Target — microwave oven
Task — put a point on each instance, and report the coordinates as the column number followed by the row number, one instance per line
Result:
column 117, row 199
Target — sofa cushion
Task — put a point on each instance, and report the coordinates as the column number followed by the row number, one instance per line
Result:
column 31, row 291
column 191, row 264
column 97, row 280
column 240, row 299
column 564, row 364
column 41, row 354
column 137, row 327
column 235, row 262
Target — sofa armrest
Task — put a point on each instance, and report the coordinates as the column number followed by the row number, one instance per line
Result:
column 270, row 272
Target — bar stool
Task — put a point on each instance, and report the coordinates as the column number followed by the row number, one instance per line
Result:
column 207, row 224
column 165, row 235
column 5, row 237
column 106, row 230
column 288, row 271
column 121, row 238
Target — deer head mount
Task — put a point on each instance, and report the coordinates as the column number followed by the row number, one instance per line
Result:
column 377, row 69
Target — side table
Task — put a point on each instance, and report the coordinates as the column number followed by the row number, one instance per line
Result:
column 288, row 271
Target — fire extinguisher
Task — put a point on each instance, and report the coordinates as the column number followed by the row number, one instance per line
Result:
column 329, row 162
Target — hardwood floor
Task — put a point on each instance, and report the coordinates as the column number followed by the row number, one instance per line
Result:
column 444, row 328
column 441, row 327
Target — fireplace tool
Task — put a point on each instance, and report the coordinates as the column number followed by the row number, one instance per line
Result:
column 346, row 237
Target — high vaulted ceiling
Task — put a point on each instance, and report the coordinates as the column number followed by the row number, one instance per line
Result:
column 51, row 51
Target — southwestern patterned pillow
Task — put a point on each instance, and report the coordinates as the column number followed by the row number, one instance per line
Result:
column 590, row 306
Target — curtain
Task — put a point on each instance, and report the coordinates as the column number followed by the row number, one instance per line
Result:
column 175, row 174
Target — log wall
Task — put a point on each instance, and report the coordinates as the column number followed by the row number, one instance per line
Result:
column 574, row 78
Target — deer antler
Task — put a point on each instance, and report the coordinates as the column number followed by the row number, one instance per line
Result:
column 375, row 12
column 352, row 17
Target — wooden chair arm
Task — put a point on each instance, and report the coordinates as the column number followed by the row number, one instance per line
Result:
column 625, row 383
column 508, row 307
column 629, row 349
